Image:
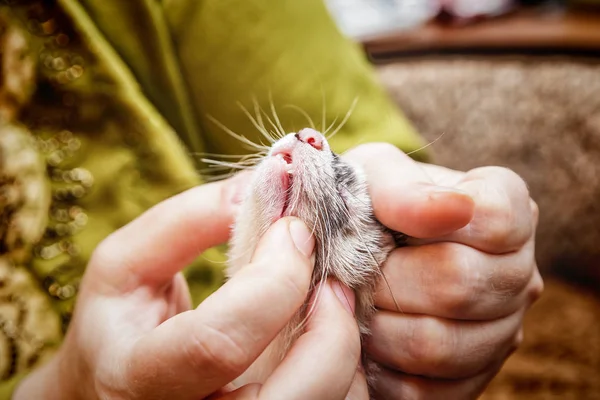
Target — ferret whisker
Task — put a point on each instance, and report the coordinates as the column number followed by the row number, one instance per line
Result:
column 275, row 131
column 319, row 285
column 330, row 126
column 238, row 165
column 211, row 169
column 324, row 110
column 214, row 261
column 427, row 145
column 275, row 116
column 347, row 300
column 215, row 166
column 257, row 112
column 254, row 122
column 215, row 178
column 200, row 154
column 303, row 113
column 323, row 171
column 296, row 198
column 387, row 283
column 240, row 138
column 221, row 171
column 379, row 269
column 240, row 256
column 346, row 117
column 249, row 156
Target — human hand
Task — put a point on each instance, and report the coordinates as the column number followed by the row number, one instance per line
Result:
column 462, row 287
column 133, row 335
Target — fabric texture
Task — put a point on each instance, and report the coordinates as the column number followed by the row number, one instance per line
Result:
column 115, row 110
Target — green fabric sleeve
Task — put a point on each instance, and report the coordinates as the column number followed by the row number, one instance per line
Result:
column 218, row 53
column 232, row 51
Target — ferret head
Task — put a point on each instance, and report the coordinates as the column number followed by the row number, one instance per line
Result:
column 302, row 177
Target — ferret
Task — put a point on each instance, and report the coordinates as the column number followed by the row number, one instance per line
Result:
column 302, row 177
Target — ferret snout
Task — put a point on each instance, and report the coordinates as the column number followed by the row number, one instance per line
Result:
column 311, row 137
column 285, row 146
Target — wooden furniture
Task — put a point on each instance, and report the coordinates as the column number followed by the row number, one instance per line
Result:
column 528, row 30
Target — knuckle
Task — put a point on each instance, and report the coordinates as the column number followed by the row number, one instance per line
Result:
column 465, row 282
column 537, row 288
column 518, row 339
column 498, row 221
column 535, row 211
column 209, row 347
column 375, row 151
column 109, row 266
column 428, row 347
column 377, row 148
column 104, row 252
column 504, row 207
column 506, row 176
column 107, row 254
column 385, row 149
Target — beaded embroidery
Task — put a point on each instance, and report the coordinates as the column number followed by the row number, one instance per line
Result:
column 99, row 176
column 62, row 218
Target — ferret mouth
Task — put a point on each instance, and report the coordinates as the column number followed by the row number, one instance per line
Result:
column 288, row 192
column 289, row 178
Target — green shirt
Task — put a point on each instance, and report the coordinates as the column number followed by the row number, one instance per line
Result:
column 109, row 104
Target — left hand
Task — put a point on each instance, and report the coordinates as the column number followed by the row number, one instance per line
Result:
column 453, row 310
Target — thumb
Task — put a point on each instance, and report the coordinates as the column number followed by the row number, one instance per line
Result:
column 229, row 330
column 404, row 197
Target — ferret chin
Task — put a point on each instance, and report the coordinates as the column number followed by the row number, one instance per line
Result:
column 302, row 177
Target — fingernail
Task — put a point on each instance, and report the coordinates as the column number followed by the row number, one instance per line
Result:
column 302, row 237
column 345, row 295
column 443, row 189
column 435, row 192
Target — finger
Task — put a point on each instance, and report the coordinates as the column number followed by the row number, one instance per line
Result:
column 392, row 385
column 451, row 280
column 248, row 392
column 154, row 247
column 322, row 363
column 440, row 348
column 194, row 353
column 178, row 296
column 404, row 196
column 359, row 390
column 504, row 218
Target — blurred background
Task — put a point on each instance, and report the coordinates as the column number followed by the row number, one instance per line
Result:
column 515, row 84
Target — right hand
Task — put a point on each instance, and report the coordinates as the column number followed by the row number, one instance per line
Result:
column 133, row 335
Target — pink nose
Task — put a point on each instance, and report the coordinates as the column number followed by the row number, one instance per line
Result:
column 312, row 137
